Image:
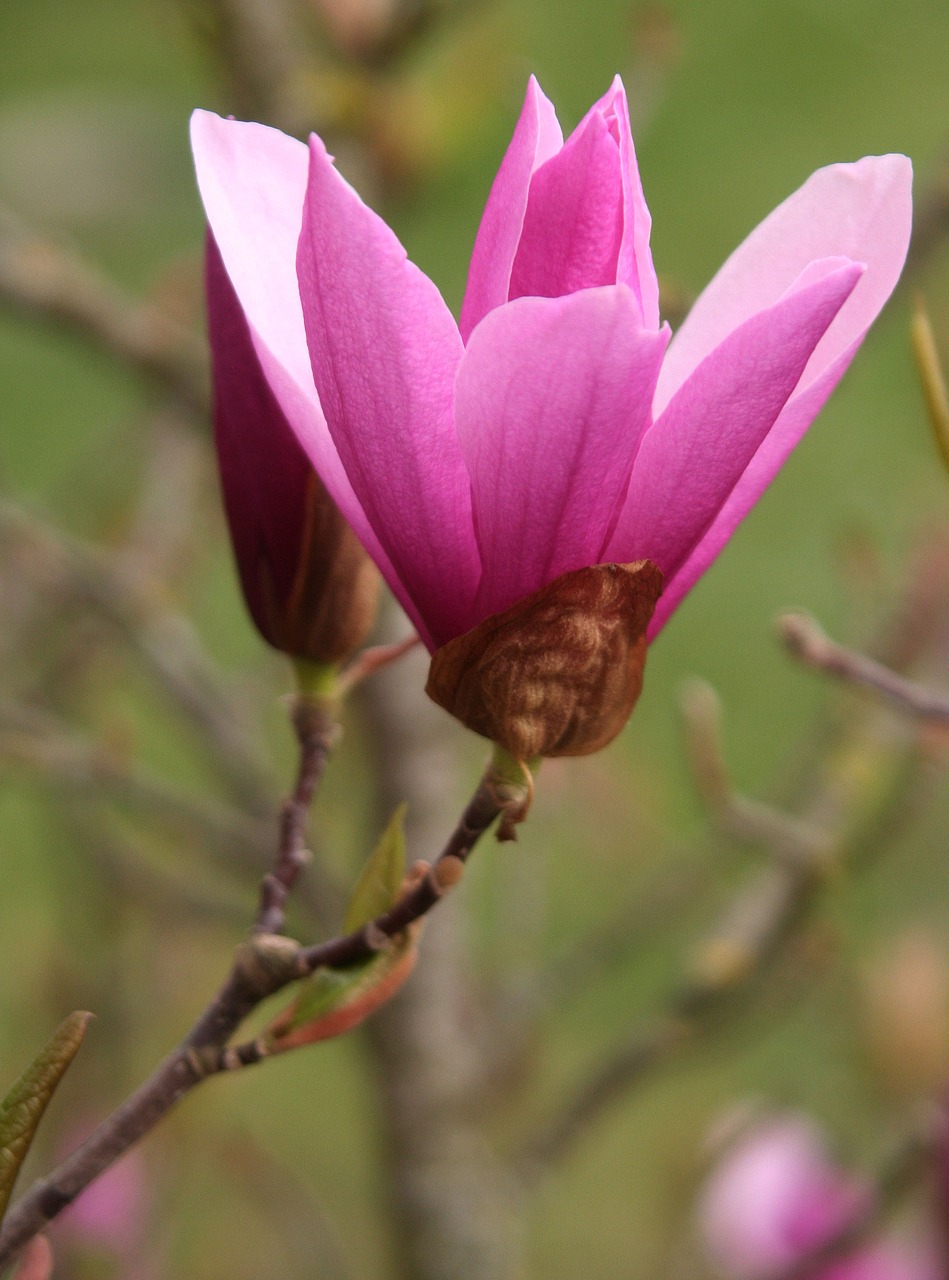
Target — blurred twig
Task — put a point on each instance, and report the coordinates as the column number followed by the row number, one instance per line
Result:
column 447, row 1191
column 744, row 819
column 806, row 641
column 752, row 929
column 262, row 967
column 164, row 638
column 930, row 224
column 262, row 49
column 59, row 755
column 41, row 278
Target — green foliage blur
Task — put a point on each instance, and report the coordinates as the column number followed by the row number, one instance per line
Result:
column 277, row 1172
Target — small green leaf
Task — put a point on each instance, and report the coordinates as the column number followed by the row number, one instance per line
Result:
column 381, row 878
column 335, row 1000
column 327, row 989
column 22, row 1109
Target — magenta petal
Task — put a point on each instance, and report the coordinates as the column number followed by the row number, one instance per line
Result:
column 692, row 458
column 573, row 226
column 551, row 398
column 385, row 349
column 860, row 211
column 537, row 137
column 635, row 265
column 253, row 181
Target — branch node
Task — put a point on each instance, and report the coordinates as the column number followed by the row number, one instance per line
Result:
column 446, row 873
column 267, row 962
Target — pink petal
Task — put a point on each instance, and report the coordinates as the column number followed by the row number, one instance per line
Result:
column 635, row 266
column 385, row 350
column 787, row 431
column 537, row 137
column 551, row 398
column 573, row 226
column 253, row 182
column 859, row 211
column 694, row 455
column 864, row 210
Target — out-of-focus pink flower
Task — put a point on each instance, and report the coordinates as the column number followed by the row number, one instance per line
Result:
column 556, row 426
column 776, row 1196
column 112, row 1212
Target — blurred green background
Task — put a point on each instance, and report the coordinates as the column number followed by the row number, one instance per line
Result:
column 734, row 104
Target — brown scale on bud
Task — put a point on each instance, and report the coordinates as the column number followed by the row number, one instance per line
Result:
column 331, row 605
column 558, row 673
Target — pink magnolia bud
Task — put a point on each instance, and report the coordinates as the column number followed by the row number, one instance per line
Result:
column 309, row 585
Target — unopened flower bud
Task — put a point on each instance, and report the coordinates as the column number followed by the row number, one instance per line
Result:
column 309, row 585
column 558, row 673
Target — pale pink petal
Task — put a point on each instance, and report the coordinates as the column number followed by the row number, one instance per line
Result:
column 573, row 226
column 692, row 458
column 635, row 265
column 781, row 440
column 861, row 211
column 537, row 137
column 552, row 396
column 253, row 182
column 384, row 351
column 864, row 210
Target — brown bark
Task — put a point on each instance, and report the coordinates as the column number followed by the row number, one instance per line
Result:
column 450, row 1203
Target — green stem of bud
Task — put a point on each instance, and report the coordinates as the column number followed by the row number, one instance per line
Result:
column 318, row 681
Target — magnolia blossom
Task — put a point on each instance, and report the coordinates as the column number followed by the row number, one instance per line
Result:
column 557, row 426
column 777, row 1196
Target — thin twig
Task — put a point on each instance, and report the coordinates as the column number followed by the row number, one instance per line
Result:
column 165, row 639
column 804, row 638
column 316, row 730
column 741, row 817
column 755, row 924
column 263, row 966
column 45, row 745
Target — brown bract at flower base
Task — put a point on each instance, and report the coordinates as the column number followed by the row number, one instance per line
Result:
column 557, row 674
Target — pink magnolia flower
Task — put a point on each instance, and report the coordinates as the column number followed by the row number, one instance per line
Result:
column 777, row 1196
column 556, row 426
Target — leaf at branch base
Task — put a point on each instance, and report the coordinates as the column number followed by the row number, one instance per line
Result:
column 22, row 1109
column 334, row 1001
column 380, row 881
